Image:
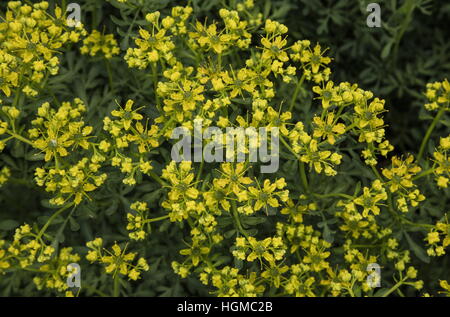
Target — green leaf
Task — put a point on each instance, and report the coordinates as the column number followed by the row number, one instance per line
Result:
column 418, row 251
column 8, row 160
column 357, row 188
column 252, row 221
column 8, row 224
column 386, row 50
column 380, row 292
column 112, row 209
column 229, row 233
column 74, row 225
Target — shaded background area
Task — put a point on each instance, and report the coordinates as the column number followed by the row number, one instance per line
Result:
column 395, row 62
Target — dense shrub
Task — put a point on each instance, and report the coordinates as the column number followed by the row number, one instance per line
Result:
column 87, row 173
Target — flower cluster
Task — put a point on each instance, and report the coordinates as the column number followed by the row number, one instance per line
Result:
column 116, row 260
column 55, row 132
column 54, row 274
column 137, row 221
column 155, row 43
column 5, row 173
column 26, row 249
column 312, row 60
column 333, row 210
column 308, row 149
column 30, row 39
column 400, row 182
column 438, row 95
column 250, row 249
column 100, row 44
column 71, row 184
column 228, row 282
column 438, row 238
column 183, row 193
column 133, row 140
column 442, row 162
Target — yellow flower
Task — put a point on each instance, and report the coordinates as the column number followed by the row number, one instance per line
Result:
column 72, row 183
column 433, row 237
column 274, row 274
column 5, row 173
column 315, row 257
column 54, row 272
column 195, row 252
column 98, row 43
column 233, row 177
column 269, row 249
column 145, row 138
column 127, row 115
column 217, row 196
column 151, row 46
column 371, row 198
column 442, row 160
column 314, row 59
column 328, row 94
column 53, row 144
column 446, row 286
column 401, row 173
column 182, row 194
column 267, row 196
column 328, row 129
column 30, row 39
column 274, row 48
column 438, row 95
column 210, row 38
column 116, row 261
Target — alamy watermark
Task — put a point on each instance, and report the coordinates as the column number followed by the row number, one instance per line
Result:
column 374, row 278
column 74, row 14
column 374, row 18
column 236, row 144
column 74, row 278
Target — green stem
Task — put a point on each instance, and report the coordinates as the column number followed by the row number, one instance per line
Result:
column 16, row 98
column 428, row 133
column 219, row 62
column 303, row 178
column 116, row 285
column 423, row 174
column 377, row 174
column 166, row 126
column 20, row 138
column 155, row 84
column 407, row 9
column 350, row 291
column 423, row 225
column 394, row 288
column 50, row 220
column 389, row 198
column 95, row 291
column 61, row 229
column 157, row 178
column 157, row 219
column 366, row 245
column 297, row 89
column 30, row 269
column 108, row 69
column 338, row 115
column 334, row 195
column 237, row 220
column 199, row 174
column 350, row 127
column 301, row 165
column 289, row 148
